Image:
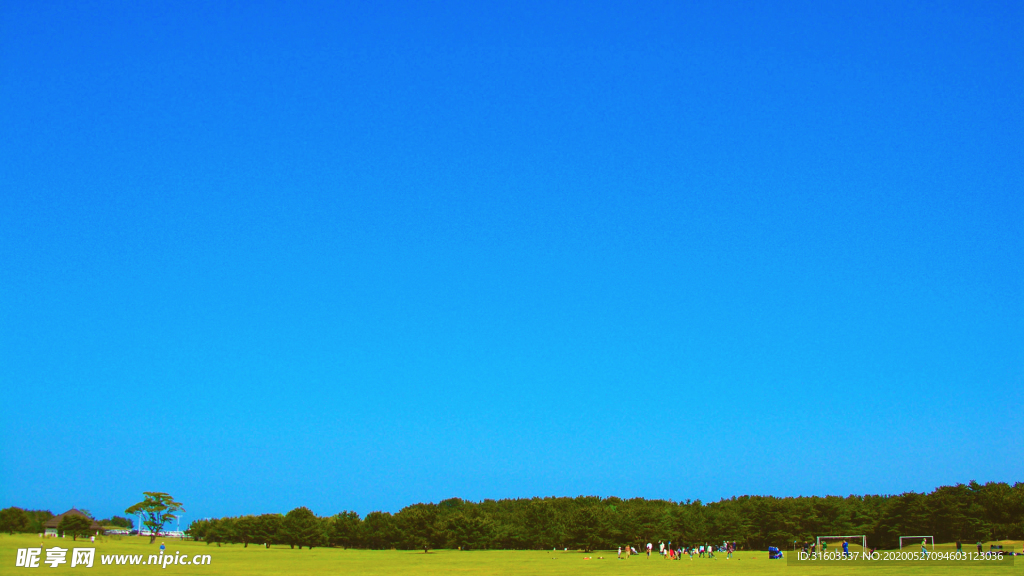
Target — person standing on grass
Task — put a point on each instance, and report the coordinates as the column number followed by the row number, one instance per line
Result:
column 846, row 549
column 924, row 547
column 650, row 547
column 959, row 546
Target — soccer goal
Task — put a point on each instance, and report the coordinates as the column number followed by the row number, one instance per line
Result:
column 912, row 538
column 863, row 541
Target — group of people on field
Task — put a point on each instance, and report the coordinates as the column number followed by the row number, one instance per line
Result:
column 670, row 553
column 824, row 548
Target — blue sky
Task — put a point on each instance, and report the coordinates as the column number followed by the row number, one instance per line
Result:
column 355, row 256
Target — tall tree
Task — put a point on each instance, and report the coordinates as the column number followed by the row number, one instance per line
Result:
column 158, row 508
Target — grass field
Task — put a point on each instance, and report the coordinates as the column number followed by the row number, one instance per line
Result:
column 234, row 559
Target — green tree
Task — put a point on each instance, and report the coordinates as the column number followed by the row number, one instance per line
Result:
column 75, row 525
column 378, row 531
column 546, row 530
column 344, row 530
column 221, row 530
column 583, row 528
column 13, row 520
column 158, row 508
column 198, row 529
column 268, row 529
column 303, row 528
column 36, row 519
column 468, row 530
column 245, row 529
column 416, row 525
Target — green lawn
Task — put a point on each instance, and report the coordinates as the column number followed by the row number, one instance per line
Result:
column 234, row 559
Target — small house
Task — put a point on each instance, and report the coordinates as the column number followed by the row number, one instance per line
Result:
column 51, row 525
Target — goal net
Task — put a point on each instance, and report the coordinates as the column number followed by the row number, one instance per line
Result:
column 837, row 541
column 911, row 540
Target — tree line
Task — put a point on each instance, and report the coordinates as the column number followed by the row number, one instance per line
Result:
column 16, row 519
column 968, row 512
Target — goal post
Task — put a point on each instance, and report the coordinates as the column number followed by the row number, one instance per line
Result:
column 862, row 537
column 912, row 538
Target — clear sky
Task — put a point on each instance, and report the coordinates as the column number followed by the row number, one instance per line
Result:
column 355, row 256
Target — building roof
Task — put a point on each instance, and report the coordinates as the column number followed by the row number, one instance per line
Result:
column 55, row 521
